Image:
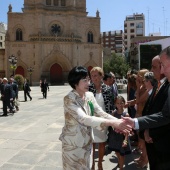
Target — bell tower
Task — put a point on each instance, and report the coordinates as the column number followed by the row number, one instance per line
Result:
column 58, row 5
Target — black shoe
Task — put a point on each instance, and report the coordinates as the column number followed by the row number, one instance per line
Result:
column 30, row 99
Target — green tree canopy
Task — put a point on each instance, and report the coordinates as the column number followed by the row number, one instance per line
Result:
column 117, row 65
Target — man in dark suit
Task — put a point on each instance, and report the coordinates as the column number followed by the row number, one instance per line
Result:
column 155, row 120
column 27, row 90
column 6, row 93
column 44, row 87
column 15, row 92
column 155, row 104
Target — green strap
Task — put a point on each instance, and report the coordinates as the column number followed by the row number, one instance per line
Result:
column 91, row 107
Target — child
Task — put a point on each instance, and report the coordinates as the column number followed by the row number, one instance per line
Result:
column 118, row 142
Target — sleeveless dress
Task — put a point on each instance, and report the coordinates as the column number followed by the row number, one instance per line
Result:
column 100, row 136
column 115, row 140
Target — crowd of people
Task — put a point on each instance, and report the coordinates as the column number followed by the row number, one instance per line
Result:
column 9, row 94
column 95, row 113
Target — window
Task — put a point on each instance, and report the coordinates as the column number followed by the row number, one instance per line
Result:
column 90, row 37
column 139, row 25
column 56, row 29
column 132, row 30
column 63, row 3
column 0, row 44
column 132, row 36
column 0, row 37
column 56, row 3
column 132, row 24
column 18, row 34
column 48, row 2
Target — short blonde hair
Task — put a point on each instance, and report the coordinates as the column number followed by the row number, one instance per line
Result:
column 99, row 69
column 142, row 72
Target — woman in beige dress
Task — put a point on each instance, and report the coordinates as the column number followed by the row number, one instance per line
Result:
column 80, row 108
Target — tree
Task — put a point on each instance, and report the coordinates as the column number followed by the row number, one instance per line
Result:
column 20, row 81
column 117, row 65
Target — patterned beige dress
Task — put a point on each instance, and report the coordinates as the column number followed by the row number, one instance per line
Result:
column 76, row 134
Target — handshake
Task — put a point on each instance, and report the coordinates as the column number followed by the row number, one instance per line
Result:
column 123, row 125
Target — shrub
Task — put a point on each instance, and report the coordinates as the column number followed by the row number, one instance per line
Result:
column 20, row 80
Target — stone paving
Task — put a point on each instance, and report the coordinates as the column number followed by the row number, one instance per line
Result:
column 29, row 138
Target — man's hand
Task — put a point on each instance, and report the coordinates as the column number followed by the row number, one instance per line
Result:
column 147, row 137
column 129, row 121
column 11, row 99
column 121, row 126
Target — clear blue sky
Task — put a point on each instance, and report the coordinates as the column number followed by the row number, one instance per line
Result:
column 113, row 13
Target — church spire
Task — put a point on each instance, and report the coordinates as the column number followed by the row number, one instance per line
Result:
column 97, row 14
column 10, row 8
column 56, row 5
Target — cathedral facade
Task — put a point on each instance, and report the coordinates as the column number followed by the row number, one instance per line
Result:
column 52, row 36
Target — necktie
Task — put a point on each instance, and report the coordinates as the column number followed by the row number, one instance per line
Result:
column 159, row 84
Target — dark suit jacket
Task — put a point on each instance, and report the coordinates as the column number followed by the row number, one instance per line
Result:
column 44, row 86
column 6, row 93
column 14, row 89
column 155, row 120
column 154, row 105
column 26, row 87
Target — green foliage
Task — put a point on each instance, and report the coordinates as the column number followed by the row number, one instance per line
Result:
column 20, row 80
column 117, row 65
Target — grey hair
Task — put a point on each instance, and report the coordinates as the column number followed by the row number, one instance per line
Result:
column 150, row 77
column 166, row 51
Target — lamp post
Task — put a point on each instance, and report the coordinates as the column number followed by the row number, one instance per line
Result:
column 13, row 63
column 30, row 70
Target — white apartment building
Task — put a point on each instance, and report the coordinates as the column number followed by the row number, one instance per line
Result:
column 134, row 26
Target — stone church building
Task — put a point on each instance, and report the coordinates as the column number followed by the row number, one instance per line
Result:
column 52, row 36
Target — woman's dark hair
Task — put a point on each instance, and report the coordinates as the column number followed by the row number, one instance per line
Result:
column 76, row 74
column 120, row 98
column 106, row 76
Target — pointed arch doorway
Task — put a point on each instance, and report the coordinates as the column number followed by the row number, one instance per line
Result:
column 56, row 76
column 20, row 70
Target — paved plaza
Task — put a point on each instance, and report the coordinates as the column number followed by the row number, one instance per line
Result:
column 29, row 138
